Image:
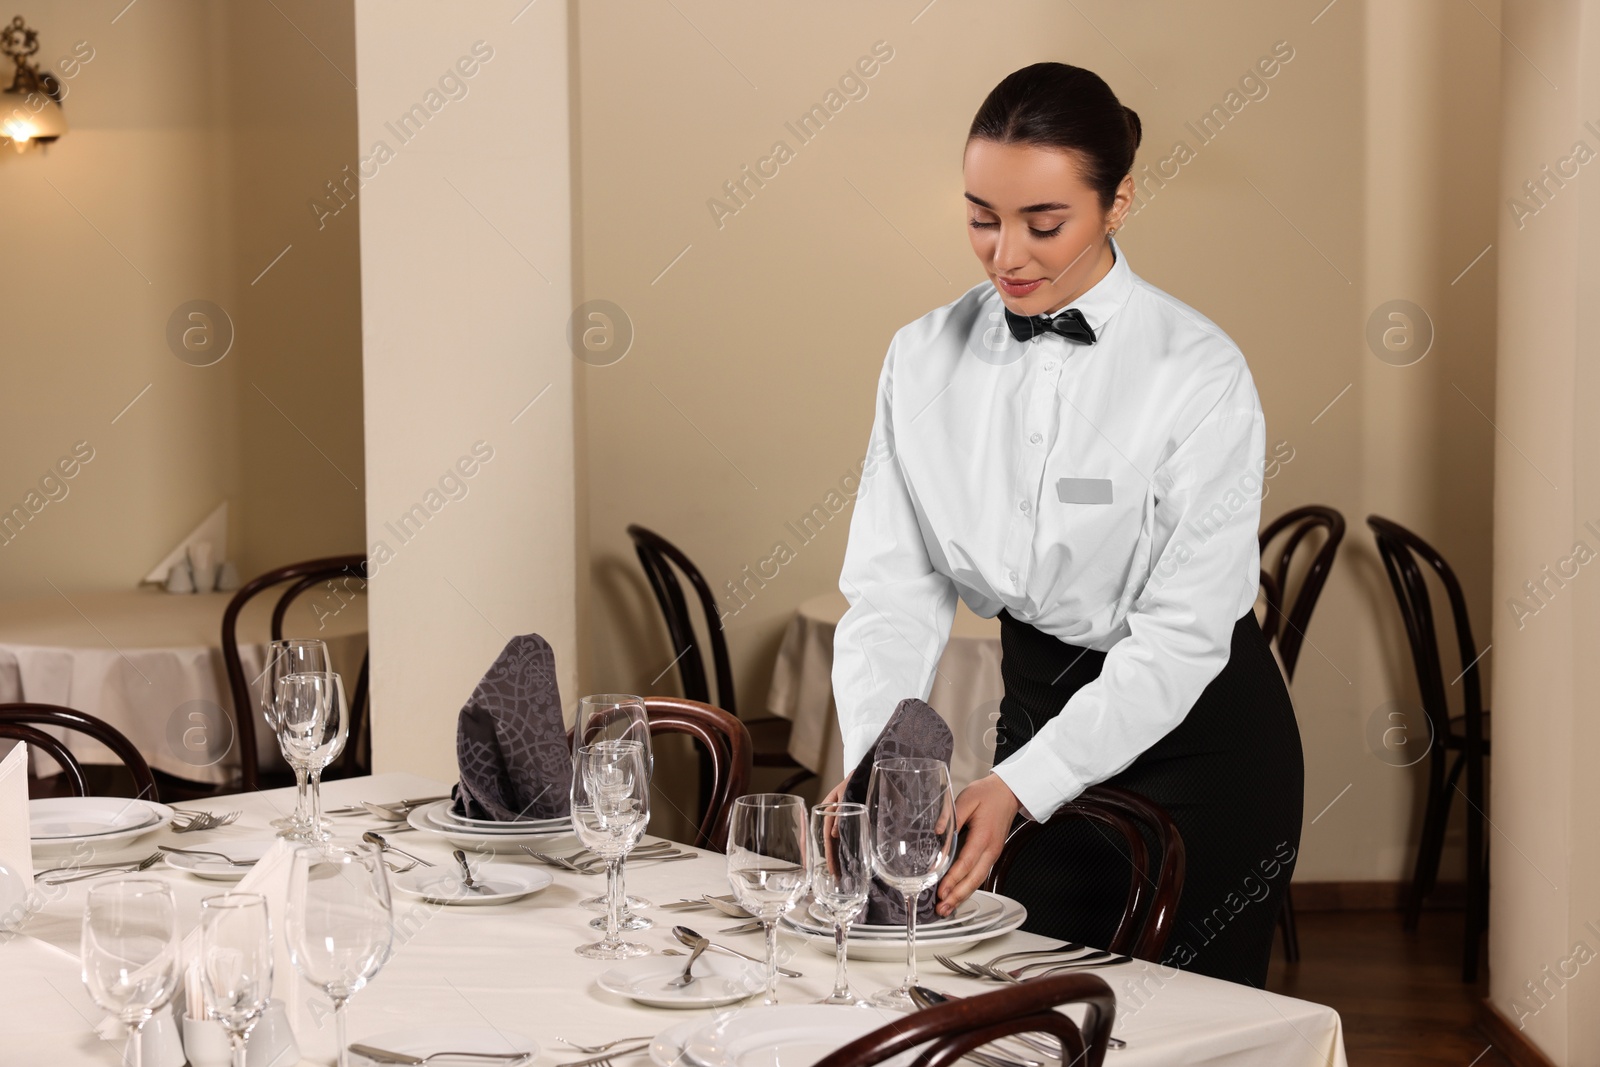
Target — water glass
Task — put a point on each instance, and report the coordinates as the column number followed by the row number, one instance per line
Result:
column 912, row 811
column 341, row 923
column 236, row 963
column 610, row 810
column 313, row 724
column 615, row 717
column 767, row 864
column 293, row 656
column 841, row 876
column 129, row 948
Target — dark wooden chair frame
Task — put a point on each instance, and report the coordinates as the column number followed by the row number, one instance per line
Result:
column 1290, row 629
column 1400, row 549
column 1152, row 903
column 957, row 1027
column 23, row 722
column 726, row 744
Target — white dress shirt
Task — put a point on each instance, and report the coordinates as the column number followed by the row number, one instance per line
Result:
column 1160, row 415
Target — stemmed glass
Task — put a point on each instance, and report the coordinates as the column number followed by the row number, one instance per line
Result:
column 767, row 864
column 912, row 812
column 615, row 717
column 841, row 876
column 610, row 809
column 341, row 923
column 313, row 724
column 293, row 656
column 130, row 952
column 236, row 962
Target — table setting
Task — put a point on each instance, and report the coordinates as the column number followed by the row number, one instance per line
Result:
column 398, row 919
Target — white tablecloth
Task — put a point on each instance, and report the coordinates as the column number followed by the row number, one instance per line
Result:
column 966, row 690
column 149, row 662
column 513, row 967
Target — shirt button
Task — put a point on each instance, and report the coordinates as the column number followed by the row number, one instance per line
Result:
column 1013, row 577
column 1025, row 506
column 1051, row 365
column 1036, row 438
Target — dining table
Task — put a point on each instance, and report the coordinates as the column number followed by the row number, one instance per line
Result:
column 512, row 967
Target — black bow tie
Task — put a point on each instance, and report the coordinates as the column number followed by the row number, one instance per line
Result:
column 1069, row 324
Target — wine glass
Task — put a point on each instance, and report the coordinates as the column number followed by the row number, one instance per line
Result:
column 293, row 656
column 912, row 813
column 610, row 809
column 313, row 724
column 129, row 948
column 236, row 962
column 767, row 864
column 841, row 876
column 615, row 717
column 341, row 923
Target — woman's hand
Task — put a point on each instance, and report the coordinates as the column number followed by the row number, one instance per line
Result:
column 836, row 794
column 986, row 808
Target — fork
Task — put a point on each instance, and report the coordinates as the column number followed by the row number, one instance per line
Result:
column 203, row 820
column 382, row 1055
column 978, row 970
column 126, row 868
column 552, row 861
column 604, row 1059
column 1094, row 959
column 592, row 1049
column 202, row 852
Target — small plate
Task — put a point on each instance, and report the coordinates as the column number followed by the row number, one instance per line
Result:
column 426, row 1039
column 215, row 870
column 718, row 980
column 443, row 885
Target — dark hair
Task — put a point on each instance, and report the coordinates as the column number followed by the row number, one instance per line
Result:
column 1054, row 105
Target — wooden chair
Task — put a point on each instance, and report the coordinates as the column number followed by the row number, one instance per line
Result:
column 660, row 559
column 24, row 722
column 726, row 745
column 957, row 1027
column 1152, row 903
column 1289, row 630
column 1463, row 735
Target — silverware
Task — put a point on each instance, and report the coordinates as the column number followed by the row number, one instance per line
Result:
column 202, row 852
column 604, row 1059
column 130, row 867
column 466, row 874
column 700, row 945
column 81, row 867
column 979, row 970
column 396, row 805
column 383, row 1055
column 202, row 820
column 597, row 865
column 552, row 861
column 1098, row 959
column 387, row 814
column 372, row 837
column 641, row 850
column 743, row 928
column 689, row 938
column 684, row 905
column 602, row 1048
column 728, row 906
column 928, row 998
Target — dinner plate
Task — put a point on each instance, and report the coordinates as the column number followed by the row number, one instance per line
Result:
column 443, row 820
column 974, row 912
column 718, row 980
column 66, row 811
column 443, row 885
column 422, row 1040
column 779, row 1036
column 214, row 869
column 448, row 815
column 890, row 950
column 419, row 820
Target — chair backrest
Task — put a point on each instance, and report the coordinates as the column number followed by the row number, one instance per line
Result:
column 659, row 556
column 1152, row 902
column 958, row 1026
column 55, row 748
column 1271, row 618
column 1400, row 549
column 16, row 719
column 728, row 744
column 1290, row 628
column 305, row 575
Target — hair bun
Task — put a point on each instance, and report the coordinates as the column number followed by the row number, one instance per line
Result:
column 1135, row 128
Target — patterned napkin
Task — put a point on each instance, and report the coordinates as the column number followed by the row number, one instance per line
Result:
column 511, row 741
column 915, row 730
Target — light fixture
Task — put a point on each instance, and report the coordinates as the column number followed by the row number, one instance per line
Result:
column 30, row 110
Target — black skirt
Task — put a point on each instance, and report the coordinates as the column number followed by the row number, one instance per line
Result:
column 1230, row 775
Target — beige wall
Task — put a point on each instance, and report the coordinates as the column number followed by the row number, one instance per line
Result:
column 748, row 391
column 197, row 133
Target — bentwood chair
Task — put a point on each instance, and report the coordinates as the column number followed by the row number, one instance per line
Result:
column 662, row 560
column 959, row 1026
column 727, row 752
column 26, row 722
column 1152, row 902
column 345, row 574
column 1300, row 530
column 1465, row 735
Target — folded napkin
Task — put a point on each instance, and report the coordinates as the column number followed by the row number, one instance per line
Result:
column 915, row 730
column 511, row 740
column 16, row 847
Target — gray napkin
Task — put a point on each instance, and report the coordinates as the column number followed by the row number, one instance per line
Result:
column 915, row 730
column 511, row 741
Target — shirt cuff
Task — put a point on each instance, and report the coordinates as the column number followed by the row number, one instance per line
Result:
column 1040, row 781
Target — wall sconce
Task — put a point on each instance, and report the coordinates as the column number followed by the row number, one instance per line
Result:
column 30, row 110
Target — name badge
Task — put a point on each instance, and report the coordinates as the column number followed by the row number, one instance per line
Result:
column 1084, row 490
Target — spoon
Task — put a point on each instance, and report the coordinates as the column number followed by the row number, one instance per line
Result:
column 466, row 874
column 372, row 837
column 690, row 938
column 700, row 945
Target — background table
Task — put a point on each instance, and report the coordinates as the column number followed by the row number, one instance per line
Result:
column 512, row 967
column 148, row 661
column 966, row 690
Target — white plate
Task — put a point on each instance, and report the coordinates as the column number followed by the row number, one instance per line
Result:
column 61, row 818
column 894, row 949
column 443, row 885
column 425, row 1039
column 768, row 1036
column 212, row 868
column 448, row 816
column 85, row 848
column 718, row 980
column 974, row 913
column 441, row 819
column 419, row 820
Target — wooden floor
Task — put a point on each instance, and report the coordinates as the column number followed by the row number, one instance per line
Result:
column 1399, row 994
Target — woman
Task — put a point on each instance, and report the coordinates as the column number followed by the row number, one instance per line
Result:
column 1081, row 454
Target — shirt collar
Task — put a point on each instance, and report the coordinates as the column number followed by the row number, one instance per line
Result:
column 1106, row 295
